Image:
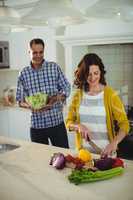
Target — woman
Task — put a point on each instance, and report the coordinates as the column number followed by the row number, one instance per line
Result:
column 95, row 106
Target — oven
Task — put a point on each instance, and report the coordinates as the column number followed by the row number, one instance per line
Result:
column 4, row 54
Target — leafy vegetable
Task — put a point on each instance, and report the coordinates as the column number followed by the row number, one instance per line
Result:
column 85, row 176
column 37, row 100
column 58, row 161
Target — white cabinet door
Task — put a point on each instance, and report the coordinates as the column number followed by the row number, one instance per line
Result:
column 19, row 124
column 4, row 123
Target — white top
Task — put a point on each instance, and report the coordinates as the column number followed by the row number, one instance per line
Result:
column 92, row 114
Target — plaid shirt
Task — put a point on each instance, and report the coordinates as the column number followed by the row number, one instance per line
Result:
column 48, row 79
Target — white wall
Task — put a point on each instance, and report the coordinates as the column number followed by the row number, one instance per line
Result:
column 100, row 27
column 7, row 79
column 19, row 41
column 3, row 36
column 77, row 53
column 60, row 55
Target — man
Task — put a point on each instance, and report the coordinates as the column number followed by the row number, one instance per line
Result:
column 46, row 77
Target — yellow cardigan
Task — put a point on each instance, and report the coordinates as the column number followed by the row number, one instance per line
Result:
column 114, row 111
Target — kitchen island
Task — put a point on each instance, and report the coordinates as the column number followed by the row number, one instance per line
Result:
column 25, row 174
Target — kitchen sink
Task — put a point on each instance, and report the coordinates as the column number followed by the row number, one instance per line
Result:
column 7, row 147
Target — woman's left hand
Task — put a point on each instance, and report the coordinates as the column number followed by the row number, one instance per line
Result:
column 110, row 149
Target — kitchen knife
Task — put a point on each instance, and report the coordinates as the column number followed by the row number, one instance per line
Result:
column 97, row 149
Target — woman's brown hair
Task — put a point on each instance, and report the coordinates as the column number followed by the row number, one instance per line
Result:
column 82, row 71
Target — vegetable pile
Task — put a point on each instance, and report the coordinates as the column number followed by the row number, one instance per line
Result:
column 59, row 161
column 37, row 101
column 85, row 176
column 88, row 171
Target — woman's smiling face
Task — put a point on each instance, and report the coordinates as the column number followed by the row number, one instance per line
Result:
column 94, row 76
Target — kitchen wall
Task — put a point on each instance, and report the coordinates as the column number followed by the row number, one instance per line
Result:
column 60, row 55
column 4, row 36
column 19, row 41
column 7, row 79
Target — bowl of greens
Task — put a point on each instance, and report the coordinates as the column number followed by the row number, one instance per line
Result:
column 38, row 100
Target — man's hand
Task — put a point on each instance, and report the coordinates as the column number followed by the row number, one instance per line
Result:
column 56, row 98
column 24, row 105
column 28, row 106
column 44, row 108
column 51, row 101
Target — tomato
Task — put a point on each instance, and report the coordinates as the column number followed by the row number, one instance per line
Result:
column 118, row 163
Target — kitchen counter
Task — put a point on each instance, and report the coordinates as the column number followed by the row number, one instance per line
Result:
column 15, row 106
column 25, row 173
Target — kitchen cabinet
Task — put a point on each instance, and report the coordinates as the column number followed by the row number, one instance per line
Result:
column 15, row 123
column 19, row 124
column 4, row 122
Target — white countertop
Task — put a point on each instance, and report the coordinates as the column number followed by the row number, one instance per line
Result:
column 25, row 174
column 16, row 107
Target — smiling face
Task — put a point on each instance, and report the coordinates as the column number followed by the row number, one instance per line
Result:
column 94, row 76
column 37, row 54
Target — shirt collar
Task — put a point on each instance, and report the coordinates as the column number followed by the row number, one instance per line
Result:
column 40, row 68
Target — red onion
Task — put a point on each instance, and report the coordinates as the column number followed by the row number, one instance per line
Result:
column 58, row 161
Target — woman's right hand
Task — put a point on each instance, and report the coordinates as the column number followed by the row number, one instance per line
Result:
column 85, row 132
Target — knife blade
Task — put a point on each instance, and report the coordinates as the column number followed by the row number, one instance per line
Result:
column 97, row 149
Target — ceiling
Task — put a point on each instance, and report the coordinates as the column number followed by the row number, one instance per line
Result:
column 65, row 12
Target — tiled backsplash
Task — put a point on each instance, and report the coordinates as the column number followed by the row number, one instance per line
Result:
column 118, row 61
